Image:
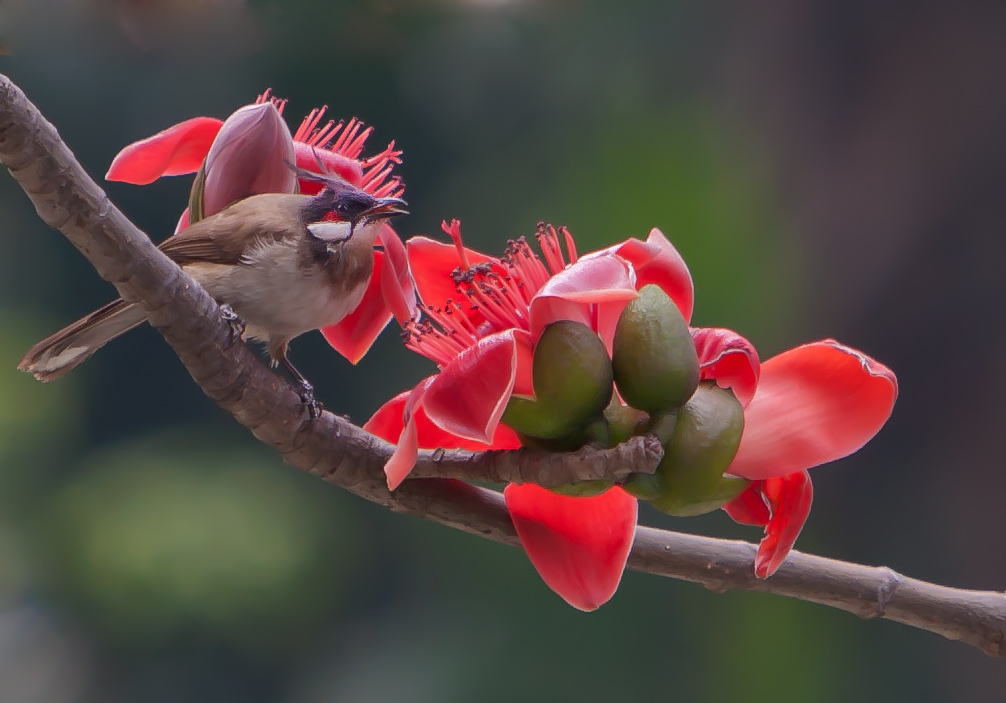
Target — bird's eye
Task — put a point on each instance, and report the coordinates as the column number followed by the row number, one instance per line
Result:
column 342, row 208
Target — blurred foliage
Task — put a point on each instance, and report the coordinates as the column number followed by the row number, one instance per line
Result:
column 174, row 535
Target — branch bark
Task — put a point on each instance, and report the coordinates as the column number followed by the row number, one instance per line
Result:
column 334, row 449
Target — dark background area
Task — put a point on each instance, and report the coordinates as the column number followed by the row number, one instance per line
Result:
column 827, row 168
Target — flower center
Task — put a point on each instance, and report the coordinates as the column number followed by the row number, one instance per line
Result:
column 494, row 295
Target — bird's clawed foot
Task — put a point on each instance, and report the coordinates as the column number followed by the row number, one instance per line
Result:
column 314, row 408
column 235, row 322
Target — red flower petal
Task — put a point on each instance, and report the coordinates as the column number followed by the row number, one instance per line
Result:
column 356, row 332
column 468, row 397
column 390, row 423
column 814, row 404
column 657, row 261
column 389, row 293
column 729, row 359
column 397, row 289
column 749, row 507
column 308, row 158
column 183, row 221
column 578, row 545
column 789, row 499
column 523, row 383
column 432, row 263
column 407, row 447
column 173, row 152
column 570, row 294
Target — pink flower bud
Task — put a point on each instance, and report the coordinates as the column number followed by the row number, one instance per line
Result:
column 252, row 154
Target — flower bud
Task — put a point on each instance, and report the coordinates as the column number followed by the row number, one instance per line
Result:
column 706, row 435
column 571, row 373
column 253, row 153
column 623, row 422
column 654, row 360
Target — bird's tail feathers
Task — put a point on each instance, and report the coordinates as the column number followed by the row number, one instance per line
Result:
column 72, row 345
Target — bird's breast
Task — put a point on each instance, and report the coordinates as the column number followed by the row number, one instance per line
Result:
column 281, row 295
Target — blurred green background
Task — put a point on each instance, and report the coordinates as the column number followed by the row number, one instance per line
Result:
column 827, row 168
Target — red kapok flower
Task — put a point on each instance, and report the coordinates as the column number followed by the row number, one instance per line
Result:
column 253, row 152
column 483, row 317
column 805, row 407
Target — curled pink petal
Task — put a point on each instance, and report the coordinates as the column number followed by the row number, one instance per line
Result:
column 571, row 293
column 579, row 546
column 175, row 151
column 729, row 359
column 816, row 403
column 657, row 261
column 468, row 396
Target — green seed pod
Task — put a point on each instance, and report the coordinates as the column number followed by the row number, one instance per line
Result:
column 705, row 441
column 654, row 358
column 572, row 380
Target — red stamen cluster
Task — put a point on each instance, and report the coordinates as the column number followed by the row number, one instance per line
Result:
column 497, row 294
column 348, row 140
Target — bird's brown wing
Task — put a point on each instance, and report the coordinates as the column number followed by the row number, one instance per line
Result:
column 225, row 237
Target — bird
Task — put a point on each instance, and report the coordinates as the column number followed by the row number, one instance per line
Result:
column 279, row 264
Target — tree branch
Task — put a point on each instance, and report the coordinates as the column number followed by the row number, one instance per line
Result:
column 341, row 453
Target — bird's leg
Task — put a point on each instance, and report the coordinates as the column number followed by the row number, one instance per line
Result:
column 237, row 325
column 314, row 408
column 278, row 353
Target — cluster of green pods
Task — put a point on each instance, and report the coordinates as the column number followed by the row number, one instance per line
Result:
column 655, row 370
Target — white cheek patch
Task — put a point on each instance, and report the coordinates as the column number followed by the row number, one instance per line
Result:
column 331, row 232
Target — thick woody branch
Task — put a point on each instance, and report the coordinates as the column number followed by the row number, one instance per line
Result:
column 336, row 450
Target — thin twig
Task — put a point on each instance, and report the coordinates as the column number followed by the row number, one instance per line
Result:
column 334, row 449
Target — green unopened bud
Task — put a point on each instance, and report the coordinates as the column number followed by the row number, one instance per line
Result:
column 690, row 477
column 623, row 422
column 572, row 380
column 654, row 358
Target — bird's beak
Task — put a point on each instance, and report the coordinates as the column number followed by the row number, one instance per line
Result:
column 385, row 207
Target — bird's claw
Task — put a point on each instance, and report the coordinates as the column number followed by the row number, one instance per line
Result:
column 237, row 325
column 314, row 407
